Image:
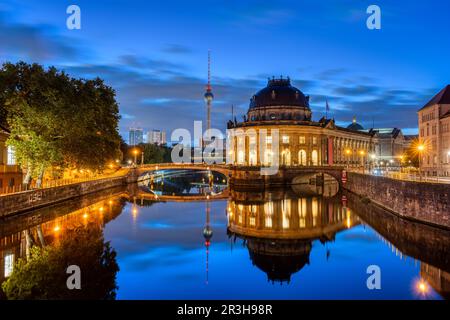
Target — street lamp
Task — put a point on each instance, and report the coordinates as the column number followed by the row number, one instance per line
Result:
column 362, row 153
column 135, row 151
column 420, row 148
column 348, row 152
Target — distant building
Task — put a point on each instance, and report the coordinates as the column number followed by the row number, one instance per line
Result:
column 10, row 172
column 409, row 139
column 156, row 137
column 434, row 134
column 390, row 143
column 136, row 136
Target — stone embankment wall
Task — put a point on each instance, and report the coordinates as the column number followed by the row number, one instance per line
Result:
column 23, row 201
column 421, row 201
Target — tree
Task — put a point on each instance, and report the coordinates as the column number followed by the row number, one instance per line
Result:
column 56, row 120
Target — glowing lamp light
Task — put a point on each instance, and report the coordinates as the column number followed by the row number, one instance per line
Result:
column 421, row 288
column 85, row 216
column 420, row 147
column 101, row 209
column 56, row 228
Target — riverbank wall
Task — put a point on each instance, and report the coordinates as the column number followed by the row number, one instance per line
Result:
column 15, row 203
column 419, row 201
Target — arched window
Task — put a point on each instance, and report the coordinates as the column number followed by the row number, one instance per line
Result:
column 302, row 157
column 286, row 157
column 241, row 158
column 314, row 158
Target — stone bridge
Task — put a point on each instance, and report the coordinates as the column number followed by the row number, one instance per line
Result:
column 249, row 177
column 148, row 168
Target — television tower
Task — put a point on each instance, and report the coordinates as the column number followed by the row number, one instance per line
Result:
column 208, row 96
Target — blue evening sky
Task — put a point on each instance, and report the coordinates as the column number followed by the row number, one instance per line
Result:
column 154, row 53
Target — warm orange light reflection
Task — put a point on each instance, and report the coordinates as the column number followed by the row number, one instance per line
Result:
column 56, row 228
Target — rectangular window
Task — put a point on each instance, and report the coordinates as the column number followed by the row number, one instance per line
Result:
column 252, row 139
column 285, row 139
column 11, row 156
column 302, row 140
column 269, row 139
column 314, row 140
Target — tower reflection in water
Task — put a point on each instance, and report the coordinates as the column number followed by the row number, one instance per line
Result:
column 279, row 227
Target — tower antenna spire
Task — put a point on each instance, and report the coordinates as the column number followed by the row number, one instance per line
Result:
column 208, row 97
column 209, row 70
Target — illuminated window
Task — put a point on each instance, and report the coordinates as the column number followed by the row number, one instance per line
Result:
column 286, row 157
column 268, row 139
column 11, row 156
column 314, row 158
column 302, row 140
column 9, row 264
column 314, row 140
column 240, row 157
column 285, row 139
column 252, row 139
column 302, row 157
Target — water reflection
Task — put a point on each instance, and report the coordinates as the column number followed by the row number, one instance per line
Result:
column 301, row 240
column 183, row 182
column 279, row 228
column 34, row 260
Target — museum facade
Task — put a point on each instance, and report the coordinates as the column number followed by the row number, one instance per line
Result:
column 278, row 128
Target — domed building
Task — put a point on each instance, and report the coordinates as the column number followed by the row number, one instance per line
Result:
column 279, row 129
column 355, row 126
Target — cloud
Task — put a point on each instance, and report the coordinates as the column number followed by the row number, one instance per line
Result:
column 356, row 91
column 36, row 43
column 176, row 49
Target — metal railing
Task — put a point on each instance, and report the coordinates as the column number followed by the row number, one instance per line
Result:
column 404, row 176
column 60, row 182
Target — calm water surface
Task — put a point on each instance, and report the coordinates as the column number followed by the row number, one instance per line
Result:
column 271, row 245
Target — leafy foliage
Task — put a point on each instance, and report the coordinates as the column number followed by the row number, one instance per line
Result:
column 56, row 120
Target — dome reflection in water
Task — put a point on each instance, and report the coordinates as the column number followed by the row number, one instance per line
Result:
column 188, row 238
column 279, row 227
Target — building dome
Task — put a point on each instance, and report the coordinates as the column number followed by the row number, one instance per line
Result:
column 207, row 233
column 355, row 126
column 279, row 100
column 277, row 258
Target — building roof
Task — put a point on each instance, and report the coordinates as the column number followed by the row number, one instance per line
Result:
column 279, row 92
column 355, row 126
column 442, row 97
column 385, row 132
column 411, row 136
